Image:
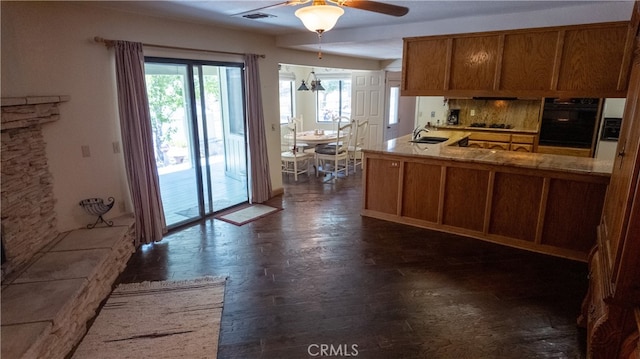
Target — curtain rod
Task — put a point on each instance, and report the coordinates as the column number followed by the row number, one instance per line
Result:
column 110, row 43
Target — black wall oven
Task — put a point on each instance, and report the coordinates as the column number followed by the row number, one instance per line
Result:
column 569, row 122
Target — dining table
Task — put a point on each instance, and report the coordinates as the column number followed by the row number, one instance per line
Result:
column 313, row 138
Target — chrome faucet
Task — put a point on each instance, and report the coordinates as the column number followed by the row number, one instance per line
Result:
column 418, row 131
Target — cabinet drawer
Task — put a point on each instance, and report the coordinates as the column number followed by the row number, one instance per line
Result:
column 493, row 137
column 529, row 139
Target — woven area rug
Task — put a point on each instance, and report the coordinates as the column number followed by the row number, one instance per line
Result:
column 247, row 214
column 171, row 319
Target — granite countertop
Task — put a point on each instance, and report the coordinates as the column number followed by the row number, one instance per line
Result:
column 449, row 151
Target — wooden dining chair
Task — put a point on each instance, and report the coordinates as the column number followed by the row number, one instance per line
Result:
column 355, row 149
column 293, row 160
column 334, row 157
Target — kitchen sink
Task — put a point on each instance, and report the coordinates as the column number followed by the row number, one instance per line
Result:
column 430, row 139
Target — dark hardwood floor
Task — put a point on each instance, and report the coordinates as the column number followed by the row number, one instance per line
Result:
column 318, row 273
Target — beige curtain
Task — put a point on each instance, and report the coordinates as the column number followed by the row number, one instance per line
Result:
column 259, row 176
column 137, row 143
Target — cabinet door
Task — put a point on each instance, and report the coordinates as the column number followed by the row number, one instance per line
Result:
column 497, row 146
column 465, row 198
column 476, row 144
column 519, row 147
column 528, row 60
column 621, row 214
column 425, row 65
column 473, row 62
column 421, row 191
column 382, row 190
column 592, row 59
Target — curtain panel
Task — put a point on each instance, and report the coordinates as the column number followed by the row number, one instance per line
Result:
column 259, row 175
column 137, row 143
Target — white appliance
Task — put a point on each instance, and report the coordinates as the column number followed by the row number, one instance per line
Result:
column 613, row 107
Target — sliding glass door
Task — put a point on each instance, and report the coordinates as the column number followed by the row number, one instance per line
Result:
column 197, row 118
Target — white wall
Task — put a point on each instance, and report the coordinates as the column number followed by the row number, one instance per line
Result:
column 47, row 49
column 425, row 105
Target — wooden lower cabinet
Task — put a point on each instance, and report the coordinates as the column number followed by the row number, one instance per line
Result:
column 464, row 198
column 421, row 188
column 382, row 191
column 543, row 211
column 515, row 205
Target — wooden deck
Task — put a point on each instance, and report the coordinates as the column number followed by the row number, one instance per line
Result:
column 178, row 189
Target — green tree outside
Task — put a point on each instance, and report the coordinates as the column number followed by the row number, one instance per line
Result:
column 166, row 98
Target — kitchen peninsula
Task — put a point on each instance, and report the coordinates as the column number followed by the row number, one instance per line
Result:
column 539, row 202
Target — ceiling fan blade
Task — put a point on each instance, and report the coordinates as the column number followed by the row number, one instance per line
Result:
column 379, row 7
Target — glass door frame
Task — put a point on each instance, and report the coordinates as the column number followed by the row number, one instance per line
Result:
column 197, row 120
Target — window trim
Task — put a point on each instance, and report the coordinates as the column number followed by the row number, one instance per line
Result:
column 290, row 78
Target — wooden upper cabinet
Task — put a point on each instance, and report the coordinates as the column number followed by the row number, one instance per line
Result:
column 591, row 60
column 528, row 61
column 427, row 59
column 473, row 63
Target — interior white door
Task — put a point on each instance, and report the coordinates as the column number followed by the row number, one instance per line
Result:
column 367, row 102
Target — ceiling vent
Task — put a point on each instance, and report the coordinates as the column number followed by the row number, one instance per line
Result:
column 257, row 15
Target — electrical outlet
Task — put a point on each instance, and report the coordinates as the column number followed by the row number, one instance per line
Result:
column 273, row 127
column 472, row 112
column 433, row 114
column 85, row 151
column 116, row 147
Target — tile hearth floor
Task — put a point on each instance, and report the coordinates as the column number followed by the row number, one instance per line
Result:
column 58, row 279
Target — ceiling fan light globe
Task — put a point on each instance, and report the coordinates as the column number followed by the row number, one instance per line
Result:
column 319, row 18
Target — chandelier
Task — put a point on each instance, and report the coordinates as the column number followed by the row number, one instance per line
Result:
column 315, row 84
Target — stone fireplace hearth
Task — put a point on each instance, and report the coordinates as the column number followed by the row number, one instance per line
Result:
column 52, row 283
column 27, row 202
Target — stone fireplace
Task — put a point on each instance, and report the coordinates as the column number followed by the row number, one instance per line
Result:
column 27, row 204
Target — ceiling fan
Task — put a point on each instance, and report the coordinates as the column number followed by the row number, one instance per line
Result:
column 320, row 17
column 316, row 5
